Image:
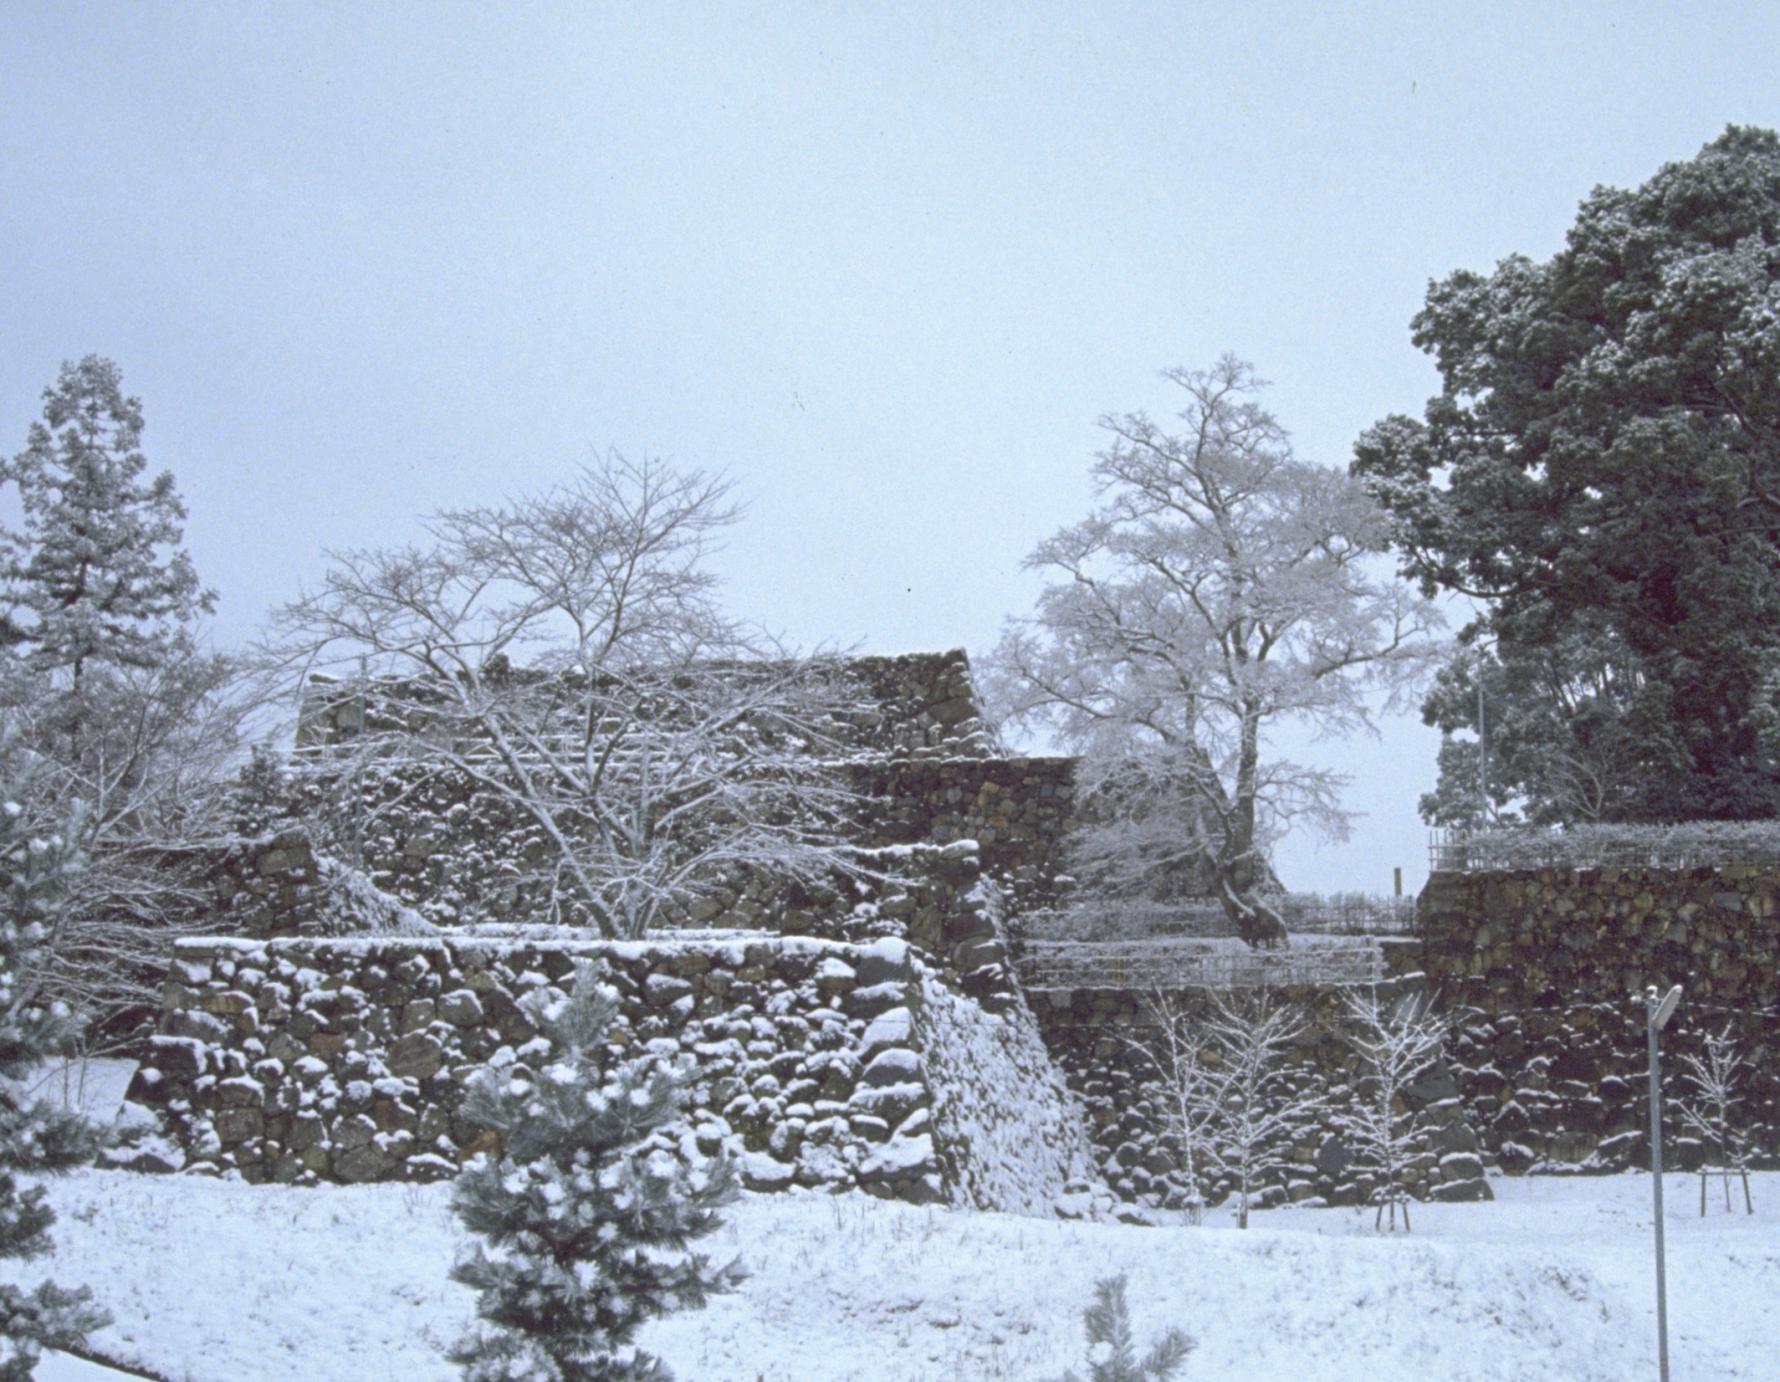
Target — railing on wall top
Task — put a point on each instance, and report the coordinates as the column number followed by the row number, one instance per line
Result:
column 1350, row 914
column 1144, row 965
column 1687, row 845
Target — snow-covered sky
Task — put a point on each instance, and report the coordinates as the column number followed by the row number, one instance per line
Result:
column 884, row 265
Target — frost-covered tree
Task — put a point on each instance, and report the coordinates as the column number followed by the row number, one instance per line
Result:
column 1397, row 1040
column 153, row 770
column 1188, row 1086
column 1709, row 1104
column 109, row 694
column 35, row 1138
column 96, row 576
column 586, row 1222
column 1260, row 1104
column 564, row 654
column 1601, row 470
column 1223, row 587
column 1112, row 1354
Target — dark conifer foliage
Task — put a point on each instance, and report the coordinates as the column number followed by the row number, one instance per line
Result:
column 97, row 574
column 34, row 1138
column 586, row 1217
column 1602, row 470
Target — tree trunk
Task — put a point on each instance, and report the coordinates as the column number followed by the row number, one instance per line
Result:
column 1256, row 920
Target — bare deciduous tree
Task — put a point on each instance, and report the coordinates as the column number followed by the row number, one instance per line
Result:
column 1708, row 1106
column 1227, row 1104
column 1189, row 1086
column 565, row 653
column 1397, row 1041
column 1261, row 1107
column 1223, row 586
column 152, row 773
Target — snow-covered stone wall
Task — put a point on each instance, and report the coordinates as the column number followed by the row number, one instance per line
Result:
column 924, row 764
column 820, row 1064
column 902, row 705
column 1545, row 969
column 465, row 857
column 1090, row 1033
column 1018, row 810
column 1009, row 1132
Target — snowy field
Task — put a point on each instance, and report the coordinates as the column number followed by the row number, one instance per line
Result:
column 215, row 1281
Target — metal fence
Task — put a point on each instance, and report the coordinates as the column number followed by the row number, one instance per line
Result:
column 1143, row 965
column 1341, row 914
column 1690, row 845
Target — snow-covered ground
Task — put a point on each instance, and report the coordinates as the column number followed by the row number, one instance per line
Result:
column 216, row 1282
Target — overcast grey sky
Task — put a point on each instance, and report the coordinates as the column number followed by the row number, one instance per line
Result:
column 882, row 264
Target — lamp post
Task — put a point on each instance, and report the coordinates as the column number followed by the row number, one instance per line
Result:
column 1657, row 1012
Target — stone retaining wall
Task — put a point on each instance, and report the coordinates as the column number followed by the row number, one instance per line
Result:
column 1089, row 1033
column 1542, row 966
column 463, row 857
column 915, row 749
column 898, row 706
column 1016, row 809
column 312, row 1060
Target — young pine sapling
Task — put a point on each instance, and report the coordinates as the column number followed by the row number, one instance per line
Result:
column 1112, row 1356
column 35, row 1138
column 586, row 1226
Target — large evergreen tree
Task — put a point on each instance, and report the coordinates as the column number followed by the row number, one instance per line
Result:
column 34, row 1138
column 1602, row 471
column 97, row 574
column 108, row 693
column 587, row 1224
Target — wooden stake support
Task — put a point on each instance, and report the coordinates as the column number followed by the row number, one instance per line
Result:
column 1724, row 1173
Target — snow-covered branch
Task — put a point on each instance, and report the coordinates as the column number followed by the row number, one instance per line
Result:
column 659, row 748
column 1709, row 1103
column 1397, row 1040
column 1222, row 588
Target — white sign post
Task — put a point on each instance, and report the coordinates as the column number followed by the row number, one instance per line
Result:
column 1657, row 1013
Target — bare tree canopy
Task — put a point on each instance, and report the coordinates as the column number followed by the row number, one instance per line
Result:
column 1222, row 586
column 1397, row 1041
column 565, row 654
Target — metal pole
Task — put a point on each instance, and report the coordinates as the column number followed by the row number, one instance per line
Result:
column 1651, row 1025
column 1483, row 755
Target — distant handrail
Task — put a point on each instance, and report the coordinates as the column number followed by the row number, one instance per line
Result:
column 1685, row 845
column 1143, row 965
column 1342, row 914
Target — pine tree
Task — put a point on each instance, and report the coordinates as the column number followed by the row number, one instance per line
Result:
column 109, row 695
column 1112, row 1356
column 90, row 580
column 262, row 791
column 586, row 1218
column 37, row 1138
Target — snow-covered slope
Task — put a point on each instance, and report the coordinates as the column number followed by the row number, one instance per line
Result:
column 1011, row 1134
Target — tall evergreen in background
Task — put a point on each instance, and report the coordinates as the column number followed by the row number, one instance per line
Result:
column 35, row 1138
column 586, row 1218
column 108, row 694
column 96, row 575
column 1601, row 471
